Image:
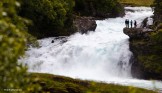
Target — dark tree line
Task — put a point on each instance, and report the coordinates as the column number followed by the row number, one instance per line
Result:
column 98, row 8
column 55, row 17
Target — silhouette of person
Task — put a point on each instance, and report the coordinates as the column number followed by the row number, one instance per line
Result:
column 135, row 23
column 131, row 23
column 128, row 23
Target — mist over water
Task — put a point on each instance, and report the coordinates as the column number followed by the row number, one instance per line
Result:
column 102, row 55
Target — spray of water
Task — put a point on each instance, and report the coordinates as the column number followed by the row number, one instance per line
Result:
column 102, row 55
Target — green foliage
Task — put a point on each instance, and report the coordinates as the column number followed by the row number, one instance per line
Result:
column 157, row 11
column 158, row 6
column 153, row 63
column 157, row 37
column 60, row 84
column 12, row 44
column 159, row 26
column 11, row 48
column 99, row 8
column 55, row 17
column 31, row 40
column 50, row 17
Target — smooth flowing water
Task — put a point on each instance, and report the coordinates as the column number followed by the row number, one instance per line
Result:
column 102, row 55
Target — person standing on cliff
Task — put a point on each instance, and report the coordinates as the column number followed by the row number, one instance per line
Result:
column 131, row 23
column 126, row 23
column 135, row 23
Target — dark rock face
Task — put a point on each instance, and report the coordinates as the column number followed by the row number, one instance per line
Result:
column 136, row 69
column 137, row 33
column 142, row 49
column 133, row 32
column 145, row 55
column 85, row 24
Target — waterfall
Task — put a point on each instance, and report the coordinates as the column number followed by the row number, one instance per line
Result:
column 102, row 55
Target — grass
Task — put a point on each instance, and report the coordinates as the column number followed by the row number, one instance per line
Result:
column 59, row 84
column 137, row 2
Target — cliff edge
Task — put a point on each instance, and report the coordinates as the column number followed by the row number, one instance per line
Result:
column 146, row 46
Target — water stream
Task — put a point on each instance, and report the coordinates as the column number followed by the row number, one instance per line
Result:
column 102, row 55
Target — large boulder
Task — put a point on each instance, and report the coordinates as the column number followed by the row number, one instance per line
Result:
column 84, row 24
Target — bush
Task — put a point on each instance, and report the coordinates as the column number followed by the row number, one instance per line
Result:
column 157, row 37
column 12, row 45
column 49, row 16
column 157, row 11
column 158, row 6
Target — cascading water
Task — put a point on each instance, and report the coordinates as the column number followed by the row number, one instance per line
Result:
column 102, row 55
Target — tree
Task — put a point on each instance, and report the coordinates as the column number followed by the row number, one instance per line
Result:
column 12, row 44
column 49, row 16
column 99, row 8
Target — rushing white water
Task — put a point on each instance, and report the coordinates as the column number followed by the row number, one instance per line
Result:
column 102, row 55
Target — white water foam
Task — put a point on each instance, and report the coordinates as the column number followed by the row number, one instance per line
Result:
column 102, row 55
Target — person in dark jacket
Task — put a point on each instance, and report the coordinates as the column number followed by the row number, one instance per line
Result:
column 131, row 23
column 128, row 23
column 135, row 23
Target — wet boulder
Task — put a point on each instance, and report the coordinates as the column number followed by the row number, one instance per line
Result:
column 85, row 24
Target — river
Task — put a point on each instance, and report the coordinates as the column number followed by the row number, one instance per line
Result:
column 102, row 55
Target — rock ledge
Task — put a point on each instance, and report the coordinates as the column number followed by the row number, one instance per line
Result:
column 137, row 33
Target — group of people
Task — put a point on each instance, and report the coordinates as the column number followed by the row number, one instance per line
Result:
column 127, row 22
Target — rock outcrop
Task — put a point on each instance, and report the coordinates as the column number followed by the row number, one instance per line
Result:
column 137, row 33
column 146, row 59
column 84, row 24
